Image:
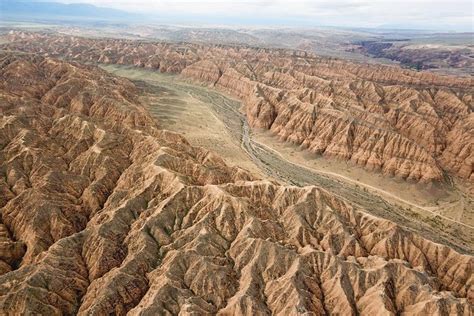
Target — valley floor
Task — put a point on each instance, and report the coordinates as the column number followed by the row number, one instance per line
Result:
column 211, row 120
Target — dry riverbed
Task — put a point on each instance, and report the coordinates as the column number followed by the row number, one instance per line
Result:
column 209, row 119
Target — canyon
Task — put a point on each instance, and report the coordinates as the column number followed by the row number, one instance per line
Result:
column 104, row 212
column 213, row 120
column 445, row 54
column 415, row 126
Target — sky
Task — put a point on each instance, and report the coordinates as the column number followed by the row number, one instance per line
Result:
column 425, row 14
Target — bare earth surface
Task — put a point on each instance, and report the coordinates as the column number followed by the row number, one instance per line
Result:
column 451, row 202
column 102, row 212
column 105, row 208
column 185, row 108
column 415, row 126
column 412, row 205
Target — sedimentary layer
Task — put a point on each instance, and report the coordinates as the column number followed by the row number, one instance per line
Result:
column 102, row 212
column 410, row 125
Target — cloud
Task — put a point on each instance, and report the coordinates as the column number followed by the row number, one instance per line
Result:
column 362, row 13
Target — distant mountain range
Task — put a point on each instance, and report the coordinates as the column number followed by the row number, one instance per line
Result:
column 54, row 10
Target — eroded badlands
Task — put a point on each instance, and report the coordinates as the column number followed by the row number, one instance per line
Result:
column 102, row 212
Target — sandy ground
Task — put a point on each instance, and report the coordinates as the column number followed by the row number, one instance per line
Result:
column 178, row 109
column 3, row 40
column 189, row 116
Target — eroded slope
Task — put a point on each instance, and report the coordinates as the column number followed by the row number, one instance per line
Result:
column 411, row 125
column 102, row 212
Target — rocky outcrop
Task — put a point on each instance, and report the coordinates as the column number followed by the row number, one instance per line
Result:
column 102, row 212
column 405, row 124
column 204, row 70
column 458, row 157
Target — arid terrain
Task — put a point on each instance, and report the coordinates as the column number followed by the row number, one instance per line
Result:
column 196, row 112
column 445, row 53
column 410, row 125
column 449, row 54
column 343, row 188
column 134, row 219
column 213, row 121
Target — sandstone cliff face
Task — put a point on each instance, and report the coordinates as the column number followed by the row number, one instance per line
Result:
column 102, row 212
column 458, row 155
column 410, row 125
